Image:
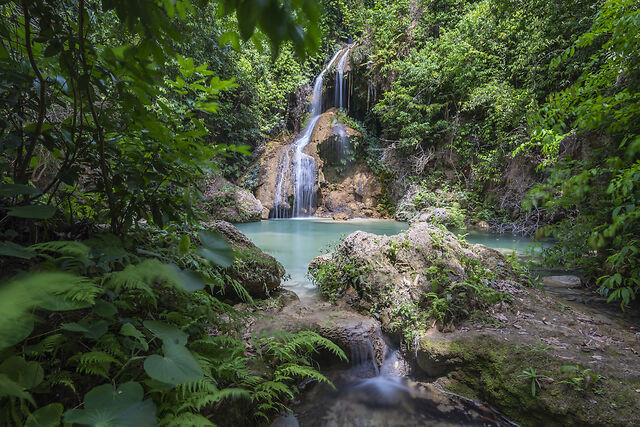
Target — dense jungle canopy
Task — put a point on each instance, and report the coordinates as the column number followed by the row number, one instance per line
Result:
column 119, row 298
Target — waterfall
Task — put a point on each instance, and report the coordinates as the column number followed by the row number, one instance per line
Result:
column 304, row 166
column 340, row 83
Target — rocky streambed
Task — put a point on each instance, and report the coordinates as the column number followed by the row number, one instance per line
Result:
column 458, row 318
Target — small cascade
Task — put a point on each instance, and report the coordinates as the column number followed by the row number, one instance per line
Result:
column 363, row 359
column 340, row 94
column 304, row 165
column 343, row 141
column 281, row 206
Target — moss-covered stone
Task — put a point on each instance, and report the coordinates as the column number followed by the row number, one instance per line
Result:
column 258, row 273
column 489, row 365
column 227, row 202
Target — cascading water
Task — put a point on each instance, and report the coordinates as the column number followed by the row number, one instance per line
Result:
column 369, row 394
column 340, row 83
column 304, row 166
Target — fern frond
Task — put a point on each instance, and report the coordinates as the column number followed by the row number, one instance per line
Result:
column 94, row 363
column 67, row 248
column 138, row 277
column 292, row 370
column 274, row 388
column 64, row 378
column 185, row 419
column 110, row 344
column 240, row 291
column 311, row 340
column 197, row 401
column 84, row 290
column 203, row 385
column 50, row 344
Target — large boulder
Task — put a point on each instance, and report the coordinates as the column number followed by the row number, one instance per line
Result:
column 539, row 363
column 354, row 333
column 228, row 202
column 259, row 273
column 424, row 272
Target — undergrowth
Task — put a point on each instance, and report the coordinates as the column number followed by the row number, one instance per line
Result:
column 111, row 332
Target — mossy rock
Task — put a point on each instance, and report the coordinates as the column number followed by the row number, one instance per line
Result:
column 259, row 273
column 489, row 364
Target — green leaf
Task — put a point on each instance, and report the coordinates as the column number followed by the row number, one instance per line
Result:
column 62, row 303
column 176, row 367
column 93, row 330
column 105, row 309
column 47, row 416
column 15, row 250
column 215, row 248
column 166, row 332
column 33, row 211
column 128, row 330
column 188, row 279
column 104, row 405
column 230, row 37
column 9, row 388
column 26, row 374
column 13, row 331
column 18, row 189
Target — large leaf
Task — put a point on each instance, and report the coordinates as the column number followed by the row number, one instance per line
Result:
column 15, row 250
column 105, row 309
column 16, row 189
column 15, row 329
column 215, row 248
column 33, row 211
column 93, row 330
column 105, row 405
column 176, row 367
column 166, row 332
column 47, row 416
column 62, row 303
column 26, row 374
column 188, row 279
column 9, row 388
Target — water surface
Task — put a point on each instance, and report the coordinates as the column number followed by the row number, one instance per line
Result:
column 295, row 242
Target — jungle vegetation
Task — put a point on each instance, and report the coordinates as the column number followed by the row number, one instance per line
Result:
column 112, row 113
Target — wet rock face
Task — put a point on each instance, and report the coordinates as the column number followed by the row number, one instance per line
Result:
column 342, row 185
column 227, row 202
column 268, row 172
column 346, row 186
column 259, row 273
column 351, row 331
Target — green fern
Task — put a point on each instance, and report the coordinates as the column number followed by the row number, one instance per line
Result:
column 66, row 248
column 291, row 370
column 138, row 277
column 94, row 363
column 48, row 345
column 64, row 378
column 185, row 419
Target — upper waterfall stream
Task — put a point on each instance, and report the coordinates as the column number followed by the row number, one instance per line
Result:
column 304, row 165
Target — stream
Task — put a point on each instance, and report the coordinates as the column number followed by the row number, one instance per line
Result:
column 366, row 394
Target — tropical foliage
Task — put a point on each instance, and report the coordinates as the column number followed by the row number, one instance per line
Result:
column 110, row 118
